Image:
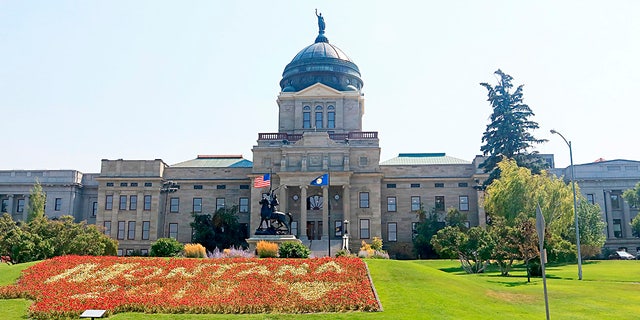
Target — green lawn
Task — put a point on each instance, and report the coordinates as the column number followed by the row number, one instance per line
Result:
column 437, row 289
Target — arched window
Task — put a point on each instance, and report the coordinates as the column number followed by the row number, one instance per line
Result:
column 306, row 117
column 331, row 117
column 319, row 120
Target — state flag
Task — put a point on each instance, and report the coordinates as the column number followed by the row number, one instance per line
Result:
column 321, row 180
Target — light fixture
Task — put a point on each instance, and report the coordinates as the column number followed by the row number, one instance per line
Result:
column 295, row 197
column 337, row 197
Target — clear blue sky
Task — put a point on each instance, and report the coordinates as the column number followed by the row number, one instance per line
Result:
column 82, row 81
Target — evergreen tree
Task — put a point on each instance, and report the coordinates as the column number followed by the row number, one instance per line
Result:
column 37, row 200
column 508, row 134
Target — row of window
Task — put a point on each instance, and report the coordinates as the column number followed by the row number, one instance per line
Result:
column 130, row 232
column 132, row 184
column 122, row 203
column 4, row 205
column 463, row 203
column 174, row 205
column 319, row 117
column 435, row 185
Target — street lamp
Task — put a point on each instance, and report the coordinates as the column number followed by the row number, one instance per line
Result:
column 575, row 203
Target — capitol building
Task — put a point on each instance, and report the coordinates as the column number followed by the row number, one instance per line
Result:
column 320, row 112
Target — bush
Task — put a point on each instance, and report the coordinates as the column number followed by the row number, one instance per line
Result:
column 267, row 249
column 194, row 250
column 291, row 249
column 232, row 252
column 343, row 253
column 367, row 250
column 165, row 247
column 376, row 244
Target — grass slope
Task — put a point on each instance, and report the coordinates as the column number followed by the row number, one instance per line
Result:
column 437, row 289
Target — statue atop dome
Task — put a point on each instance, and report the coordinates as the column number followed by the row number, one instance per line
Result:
column 321, row 24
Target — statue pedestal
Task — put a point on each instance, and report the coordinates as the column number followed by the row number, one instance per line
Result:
column 253, row 241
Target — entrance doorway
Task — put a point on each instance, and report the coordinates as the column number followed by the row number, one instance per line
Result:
column 314, row 230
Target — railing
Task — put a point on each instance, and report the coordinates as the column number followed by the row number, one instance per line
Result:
column 362, row 135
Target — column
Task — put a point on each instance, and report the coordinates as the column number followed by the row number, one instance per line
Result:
column 25, row 211
column 609, row 213
column 303, row 211
column 284, row 199
column 626, row 228
column 10, row 209
column 325, row 212
column 482, row 215
column 346, row 208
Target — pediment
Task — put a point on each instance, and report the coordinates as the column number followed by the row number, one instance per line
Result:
column 318, row 90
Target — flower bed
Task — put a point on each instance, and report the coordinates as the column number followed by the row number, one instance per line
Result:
column 66, row 286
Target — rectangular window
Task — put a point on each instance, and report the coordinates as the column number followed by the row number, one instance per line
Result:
column 123, row 203
column 319, row 120
column 120, row 230
column 132, row 230
column 591, row 199
column 337, row 229
column 464, row 203
column 133, row 202
column 129, row 252
column 197, row 205
column 391, row 204
column 415, row 185
column 243, row 206
column 197, row 187
column 462, row 184
column 109, row 184
column 123, row 184
column 145, row 229
column 617, row 228
column 147, row 203
column 306, row 120
column 415, row 203
column 414, row 230
column 148, row 184
column 615, row 201
column 5, row 205
column 173, row 230
column 174, row 205
column 364, row 199
column 144, row 252
column 20, row 205
column 58, row 204
column 108, row 202
column 119, row 252
column 392, row 232
column 244, row 187
column 219, row 203
column 134, row 184
column 439, row 185
column 364, row 229
column 94, row 209
column 221, row 186
column 331, row 120
column 439, row 203
column 107, row 228
column 391, row 185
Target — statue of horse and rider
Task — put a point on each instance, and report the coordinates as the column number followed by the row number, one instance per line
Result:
column 273, row 222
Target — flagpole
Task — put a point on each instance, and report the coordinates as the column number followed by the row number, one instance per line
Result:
column 329, row 210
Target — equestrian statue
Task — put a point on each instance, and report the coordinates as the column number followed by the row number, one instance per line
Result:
column 273, row 222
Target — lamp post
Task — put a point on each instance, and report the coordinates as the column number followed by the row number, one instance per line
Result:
column 575, row 203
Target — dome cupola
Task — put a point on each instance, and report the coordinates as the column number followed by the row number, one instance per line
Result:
column 321, row 62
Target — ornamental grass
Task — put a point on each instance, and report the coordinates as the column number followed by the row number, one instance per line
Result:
column 267, row 249
column 194, row 250
column 65, row 286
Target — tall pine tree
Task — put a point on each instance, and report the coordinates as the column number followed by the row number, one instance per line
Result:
column 508, row 135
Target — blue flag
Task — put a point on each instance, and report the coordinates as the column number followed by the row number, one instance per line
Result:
column 322, row 180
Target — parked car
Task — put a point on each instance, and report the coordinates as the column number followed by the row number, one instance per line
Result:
column 621, row 255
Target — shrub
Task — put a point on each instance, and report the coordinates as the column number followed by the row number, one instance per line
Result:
column 291, row 249
column 194, row 250
column 368, row 251
column 232, row 252
column 165, row 247
column 343, row 253
column 267, row 249
column 376, row 244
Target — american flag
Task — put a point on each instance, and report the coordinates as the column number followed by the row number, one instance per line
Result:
column 262, row 182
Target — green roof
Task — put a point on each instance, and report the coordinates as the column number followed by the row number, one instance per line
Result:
column 404, row 159
column 215, row 161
